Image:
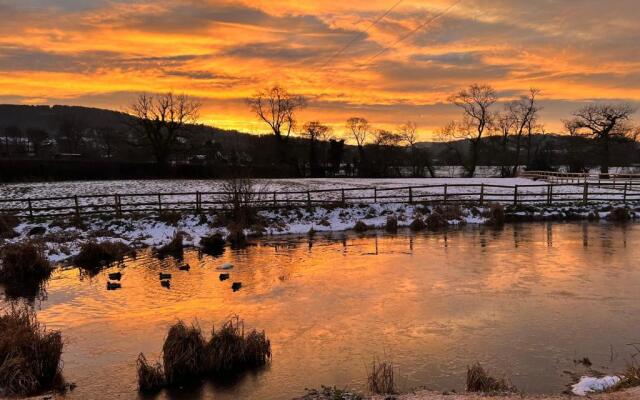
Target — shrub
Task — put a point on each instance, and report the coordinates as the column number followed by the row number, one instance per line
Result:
column 187, row 356
column 380, row 378
column 213, row 244
column 30, row 354
column 478, row 380
column 8, row 223
column 435, row 221
column 183, row 353
column 392, row 224
column 360, row 226
column 619, row 214
column 24, row 267
column 170, row 217
column 495, row 215
column 94, row 255
column 236, row 237
column 417, row 224
column 449, row 212
column 150, row 377
column 174, row 248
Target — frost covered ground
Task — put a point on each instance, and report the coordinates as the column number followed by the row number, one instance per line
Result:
column 63, row 239
column 181, row 194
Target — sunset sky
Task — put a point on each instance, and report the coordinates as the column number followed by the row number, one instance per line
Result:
column 102, row 53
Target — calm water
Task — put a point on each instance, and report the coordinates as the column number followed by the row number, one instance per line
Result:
column 525, row 301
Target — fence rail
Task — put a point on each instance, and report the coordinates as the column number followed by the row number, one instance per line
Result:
column 476, row 193
column 593, row 178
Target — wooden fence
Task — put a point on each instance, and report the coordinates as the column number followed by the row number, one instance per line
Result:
column 479, row 194
column 594, row 178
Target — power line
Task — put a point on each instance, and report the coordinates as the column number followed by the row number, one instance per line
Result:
column 411, row 32
column 360, row 34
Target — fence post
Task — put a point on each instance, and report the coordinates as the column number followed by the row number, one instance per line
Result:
column 586, row 193
column 30, row 208
column 549, row 194
column 481, row 193
column 624, row 194
column 445, row 194
column 198, row 205
column 118, row 202
column 343, row 199
column 515, row 195
column 159, row 202
column 275, row 202
column 375, row 195
column 309, row 198
column 410, row 196
column 75, row 198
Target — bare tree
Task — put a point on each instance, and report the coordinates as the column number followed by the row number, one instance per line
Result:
column 277, row 107
column 359, row 128
column 475, row 102
column 524, row 113
column 603, row 123
column 503, row 126
column 408, row 134
column 315, row 131
column 161, row 120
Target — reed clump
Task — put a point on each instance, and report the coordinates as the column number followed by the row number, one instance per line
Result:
column 8, row 223
column 23, row 266
column 174, row 248
column 392, row 224
column 495, row 215
column 418, row 224
column 187, row 355
column 380, row 379
column 360, row 226
column 619, row 214
column 94, row 255
column 478, row 380
column 29, row 354
column 212, row 244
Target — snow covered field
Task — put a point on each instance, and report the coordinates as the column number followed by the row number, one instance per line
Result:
column 142, row 194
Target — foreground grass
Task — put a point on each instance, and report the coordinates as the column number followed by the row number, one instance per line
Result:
column 29, row 354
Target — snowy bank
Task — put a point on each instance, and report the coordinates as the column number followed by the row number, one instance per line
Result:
column 589, row 384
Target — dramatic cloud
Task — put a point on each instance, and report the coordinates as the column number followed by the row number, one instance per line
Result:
column 103, row 52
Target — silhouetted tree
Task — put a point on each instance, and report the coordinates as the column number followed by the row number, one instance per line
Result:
column 36, row 136
column 604, row 123
column 277, row 107
column 475, row 102
column 408, row 134
column 161, row 120
column 315, row 131
column 336, row 151
column 523, row 112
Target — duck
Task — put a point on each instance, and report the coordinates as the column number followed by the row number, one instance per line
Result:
column 164, row 276
column 115, row 276
column 113, row 286
column 185, row 267
column 236, row 286
column 226, row 266
column 224, row 277
column 166, row 284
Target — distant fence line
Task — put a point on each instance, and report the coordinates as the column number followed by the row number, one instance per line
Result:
column 578, row 177
column 480, row 194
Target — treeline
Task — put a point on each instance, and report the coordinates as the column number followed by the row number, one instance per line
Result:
column 159, row 136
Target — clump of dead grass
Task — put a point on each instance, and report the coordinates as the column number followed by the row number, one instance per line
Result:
column 392, row 224
column 170, row 217
column 478, row 380
column 435, row 221
column 29, row 354
column 8, row 223
column 380, row 379
column 619, row 214
column 187, row 356
column 495, row 215
column 23, row 267
column 94, row 255
column 213, row 244
column 417, row 224
column 361, row 226
column 174, row 248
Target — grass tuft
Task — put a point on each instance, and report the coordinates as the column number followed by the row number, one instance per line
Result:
column 619, row 214
column 417, row 224
column 150, row 377
column 23, row 268
column 170, row 217
column 174, row 248
column 213, row 244
column 392, row 224
column 478, row 380
column 8, row 223
column 183, row 353
column 380, row 379
column 360, row 226
column 94, row 255
column 495, row 215
column 29, row 354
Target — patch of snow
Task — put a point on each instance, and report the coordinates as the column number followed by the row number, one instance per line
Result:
column 589, row 384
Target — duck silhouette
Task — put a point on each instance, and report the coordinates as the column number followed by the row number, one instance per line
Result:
column 115, row 276
column 185, row 267
column 236, row 286
column 166, row 284
column 164, row 276
column 113, row 286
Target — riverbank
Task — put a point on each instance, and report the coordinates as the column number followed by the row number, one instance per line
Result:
column 62, row 238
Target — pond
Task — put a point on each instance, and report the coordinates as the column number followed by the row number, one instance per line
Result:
column 525, row 301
